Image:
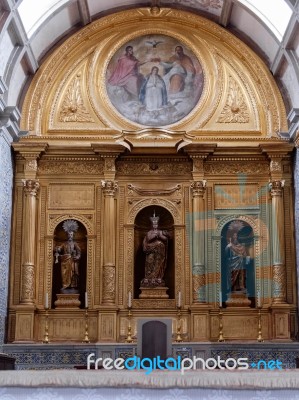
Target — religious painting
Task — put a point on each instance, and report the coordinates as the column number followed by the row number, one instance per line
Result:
column 154, row 80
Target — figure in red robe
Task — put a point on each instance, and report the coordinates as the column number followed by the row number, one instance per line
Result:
column 126, row 74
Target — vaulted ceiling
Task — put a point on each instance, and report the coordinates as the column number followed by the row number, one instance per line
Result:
column 30, row 29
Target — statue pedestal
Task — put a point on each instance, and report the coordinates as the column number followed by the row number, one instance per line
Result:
column 67, row 301
column 238, row 299
column 153, row 293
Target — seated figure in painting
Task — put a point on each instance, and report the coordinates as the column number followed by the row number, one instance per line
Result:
column 155, row 245
column 237, row 259
column 70, row 255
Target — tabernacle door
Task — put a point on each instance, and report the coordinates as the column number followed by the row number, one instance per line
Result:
column 154, row 338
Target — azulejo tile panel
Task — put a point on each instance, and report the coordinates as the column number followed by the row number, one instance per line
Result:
column 6, row 179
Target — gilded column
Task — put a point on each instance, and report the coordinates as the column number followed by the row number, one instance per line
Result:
column 278, row 242
column 198, row 221
column 31, row 187
column 109, row 188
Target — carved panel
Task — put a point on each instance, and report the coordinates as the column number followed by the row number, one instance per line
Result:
column 28, row 283
column 281, row 326
column 187, row 268
column 237, row 327
column 200, row 327
column 99, row 235
column 154, row 304
column 153, row 168
column 70, row 167
column 71, row 196
column 235, row 109
column 68, row 328
column 108, row 284
column 130, row 258
column 24, row 326
column 236, row 196
column 107, row 324
column 179, row 272
column 73, row 108
column 236, row 167
column 120, row 244
column 42, row 273
column 123, row 330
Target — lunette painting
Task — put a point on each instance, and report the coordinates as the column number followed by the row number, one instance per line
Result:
column 154, row 80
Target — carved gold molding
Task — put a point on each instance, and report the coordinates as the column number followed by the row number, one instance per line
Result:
column 152, row 192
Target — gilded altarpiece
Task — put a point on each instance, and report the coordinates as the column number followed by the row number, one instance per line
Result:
column 212, row 160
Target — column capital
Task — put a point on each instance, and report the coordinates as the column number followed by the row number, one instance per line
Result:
column 31, row 187
column 276, row 188
column 109, row 187
column 198, row 188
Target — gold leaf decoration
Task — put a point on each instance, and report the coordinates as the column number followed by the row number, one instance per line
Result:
column 73, row 109
column 235, row 109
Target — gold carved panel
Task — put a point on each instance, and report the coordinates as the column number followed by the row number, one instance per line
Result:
column 107, row 327
column 24, row 325
column 71, row 196
column 236, row 196
column 200, row 327
column 281, row 326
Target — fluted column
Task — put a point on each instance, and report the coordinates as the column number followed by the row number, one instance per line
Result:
column 31, row 188
column 198, row 221
column 278, row 242
column 109, row 188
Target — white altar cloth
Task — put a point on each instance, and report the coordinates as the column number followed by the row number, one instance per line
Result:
column 159, row 385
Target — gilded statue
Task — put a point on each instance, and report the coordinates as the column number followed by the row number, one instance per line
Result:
column 70, row 254
column 155, row 247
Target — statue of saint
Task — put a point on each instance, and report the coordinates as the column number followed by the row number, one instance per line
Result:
column 155, row 245
column 237, row 259
column 70, row 255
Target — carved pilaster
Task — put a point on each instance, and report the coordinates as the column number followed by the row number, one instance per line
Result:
column 198, row 227
column 109, row 188
column 109, row 284
column 31, row 188
column 278, row 242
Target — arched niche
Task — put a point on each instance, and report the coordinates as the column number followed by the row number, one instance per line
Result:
column 61, row 237
column 237, row 261
column 141, row 227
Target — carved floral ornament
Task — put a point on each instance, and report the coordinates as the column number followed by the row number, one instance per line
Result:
column 80, row 90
